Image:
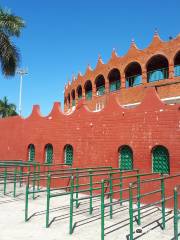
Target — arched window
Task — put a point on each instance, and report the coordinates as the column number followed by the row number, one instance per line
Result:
column 73, row 98
column 100, row 85
column 157, row 68
column 133, row 74
column 48, row 153
column 160, row 160
column 69, row 99
column 177, row 65
column 79, row 92
column 88, row 90
column 114, row 80
column 68, row 154
column 125, row 158
column 31, row 152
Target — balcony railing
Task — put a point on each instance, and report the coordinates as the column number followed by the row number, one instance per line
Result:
column 89, row 95
column 73, row 103
column 177, row 70
column 80, row 97
column 100, row 91
column 114, row 86
column 158, row 74
column 133, row 81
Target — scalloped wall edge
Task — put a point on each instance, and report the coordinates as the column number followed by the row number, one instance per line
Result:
column 150, row 102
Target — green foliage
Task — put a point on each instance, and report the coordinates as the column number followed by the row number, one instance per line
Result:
column 10, row 26
column 7, row 109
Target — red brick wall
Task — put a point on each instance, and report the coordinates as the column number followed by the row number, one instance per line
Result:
column 96, row 136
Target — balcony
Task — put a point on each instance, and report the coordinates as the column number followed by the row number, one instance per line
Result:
column 100, row 91
column 177, row 70
column 89, row 95
column 133, row 81
column 114, row 86
column 73, row 103
column 158, row 74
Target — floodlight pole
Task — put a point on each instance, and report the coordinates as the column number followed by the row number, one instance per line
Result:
column 21, row 72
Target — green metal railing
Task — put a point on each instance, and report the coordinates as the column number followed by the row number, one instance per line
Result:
column 75, row 175
column 114, row 86
column 177, row 70
column 133, row 81
column 73, row 102
column 79, row 96
column 100, row 90
column 138, row 185
column 176, row 212
column 94, row 186
column 13, row 172
column 121, row 189
column 88, row 95
column 52, row 192
column 158, row 74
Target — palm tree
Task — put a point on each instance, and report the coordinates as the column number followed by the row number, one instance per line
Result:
column 7, row 109
column 10, row 26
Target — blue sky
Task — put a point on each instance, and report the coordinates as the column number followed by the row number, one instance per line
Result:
column 62, row 37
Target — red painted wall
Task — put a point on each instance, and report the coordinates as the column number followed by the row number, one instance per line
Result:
column 96, row 136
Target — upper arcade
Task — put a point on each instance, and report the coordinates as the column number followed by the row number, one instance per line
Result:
column 127, row 76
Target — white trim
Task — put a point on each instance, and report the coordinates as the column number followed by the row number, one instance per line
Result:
column 131, row 104
column 170, row 98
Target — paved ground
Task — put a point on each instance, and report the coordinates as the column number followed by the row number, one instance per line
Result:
column 13, row 226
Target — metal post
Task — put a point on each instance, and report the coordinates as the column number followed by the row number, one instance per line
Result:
column 77, row 188
column 102, row 210
column 27, row 198
column 90, row 192
column 5, row 180
column 163, row 203
column 175, row 214
column 48, row 199
column 110, row 195
column 34, row 182
column 139, row 200
column 38, row 183
column 21, row 72
column 131, row 211
column 120, row 187
column 21, row 175
column 15, row 175
column 71, row 205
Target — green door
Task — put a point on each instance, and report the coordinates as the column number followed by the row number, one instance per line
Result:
column 160, row 157
column 31, row 153
column 49, row 153
column 68, row 155
column 126, row 158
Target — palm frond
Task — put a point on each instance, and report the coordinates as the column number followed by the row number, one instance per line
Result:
column 10, row 24
column 9, row 55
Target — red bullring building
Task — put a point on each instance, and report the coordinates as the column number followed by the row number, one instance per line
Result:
column 123, row 113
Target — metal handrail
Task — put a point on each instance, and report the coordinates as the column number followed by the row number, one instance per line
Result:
column 176, row 212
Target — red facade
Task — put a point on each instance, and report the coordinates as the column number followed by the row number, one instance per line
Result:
column 152, row 118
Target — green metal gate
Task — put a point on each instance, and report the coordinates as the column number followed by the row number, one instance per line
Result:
column 125, row 158
column 31, row 153
column 68, row 155
column 160, row 158
column 49, row 153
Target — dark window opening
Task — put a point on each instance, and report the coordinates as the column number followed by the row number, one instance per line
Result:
column 100, row 85
column 177, row 65
column 114, row 80
column 88, row 90
column 133, row 74
column 157, row 68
